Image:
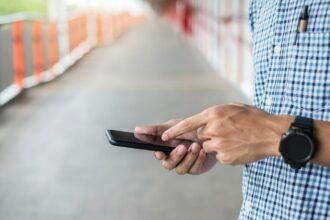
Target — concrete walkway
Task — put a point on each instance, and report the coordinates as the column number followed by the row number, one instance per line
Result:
column 55, row 162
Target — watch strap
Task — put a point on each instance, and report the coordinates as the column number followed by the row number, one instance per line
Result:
column 305, row 124
column 295, row 165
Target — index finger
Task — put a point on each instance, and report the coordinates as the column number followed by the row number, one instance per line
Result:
column 186, row 125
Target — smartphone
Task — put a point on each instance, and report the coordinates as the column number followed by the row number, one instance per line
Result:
column 143, row 141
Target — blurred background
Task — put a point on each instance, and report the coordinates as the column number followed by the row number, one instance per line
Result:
column 70, row 69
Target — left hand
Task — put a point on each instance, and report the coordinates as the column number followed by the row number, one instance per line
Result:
column 237, row 133
column 184, row 159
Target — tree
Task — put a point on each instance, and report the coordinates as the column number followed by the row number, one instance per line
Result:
column 29, row 6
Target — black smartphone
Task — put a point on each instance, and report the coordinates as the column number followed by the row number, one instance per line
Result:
column 143, row 141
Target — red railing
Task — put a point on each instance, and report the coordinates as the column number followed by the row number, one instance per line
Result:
column 35, row 47
column 18, row 54
column 37, row 50
column 220, row 30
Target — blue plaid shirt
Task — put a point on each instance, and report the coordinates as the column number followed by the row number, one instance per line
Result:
column 292, row 77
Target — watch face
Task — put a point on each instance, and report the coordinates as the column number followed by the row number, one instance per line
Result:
column 297, row 147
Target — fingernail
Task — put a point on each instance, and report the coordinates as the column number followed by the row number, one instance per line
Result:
column 165, row 137
column 138, row 129
column 202, row 153
column 194, row 147
column 181, row 150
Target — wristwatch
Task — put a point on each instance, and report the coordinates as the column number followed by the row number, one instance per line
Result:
column 297, row 145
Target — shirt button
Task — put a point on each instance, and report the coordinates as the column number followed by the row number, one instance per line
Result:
column 269, row 102
column 248, row 206
column 277, row 49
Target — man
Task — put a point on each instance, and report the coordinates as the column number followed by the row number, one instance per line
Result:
column 285, row 176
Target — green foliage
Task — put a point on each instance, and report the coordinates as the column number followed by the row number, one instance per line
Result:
column 38, row 7
column 158, row 4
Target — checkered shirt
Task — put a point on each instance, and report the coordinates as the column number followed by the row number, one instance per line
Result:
column 292, row 77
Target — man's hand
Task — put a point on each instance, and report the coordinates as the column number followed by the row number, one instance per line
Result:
column 237, row 133
column 184, row 159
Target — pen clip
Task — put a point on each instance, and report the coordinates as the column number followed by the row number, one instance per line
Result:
column 302, row 23
column 304, row 13
column 303, row 19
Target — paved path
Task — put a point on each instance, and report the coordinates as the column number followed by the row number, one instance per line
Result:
column 55, row 162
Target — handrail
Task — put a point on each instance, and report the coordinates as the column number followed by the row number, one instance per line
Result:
column 32, row 46
column 220, row 34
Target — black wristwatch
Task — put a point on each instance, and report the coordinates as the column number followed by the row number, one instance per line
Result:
column 297, row 145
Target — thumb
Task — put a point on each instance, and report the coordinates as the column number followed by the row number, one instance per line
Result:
column 151, row 129
column 155, row 129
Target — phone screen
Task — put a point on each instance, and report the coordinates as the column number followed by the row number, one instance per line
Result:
column 138, row 138
column 143, row 141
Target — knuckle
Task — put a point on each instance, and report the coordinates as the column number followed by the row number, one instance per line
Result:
column 195, row 153
column 167, row 166
column 193, row 172
column 220, row 143
column 172, row 121
column 199, row 134
column 215, row 111
column 203, row 134
column 227, row 107
column 207, row 148
column 225, row 159
column 213, row 146
column 184, row 123
column 180, row 171
column 211, row 131
column 232, row 119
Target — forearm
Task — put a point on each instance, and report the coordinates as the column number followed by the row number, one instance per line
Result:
column 322, row 136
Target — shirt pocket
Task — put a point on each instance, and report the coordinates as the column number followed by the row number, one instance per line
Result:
column 307, row 83
column 319, row 16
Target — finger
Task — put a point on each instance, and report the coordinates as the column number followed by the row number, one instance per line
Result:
column 152, row 139
column 155, row 129
column 231, row 157
column 210, row 146
column 201, row 134
column 149, row 129
column 191, row 136
column 159, row 155
column 189, row 159
column 144, row 137
column 200, row 129
column 185, row 126
column 197, row 166
column 176, row 142
column 175, row 157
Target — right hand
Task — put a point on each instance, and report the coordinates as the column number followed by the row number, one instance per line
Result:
column 184, row 159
